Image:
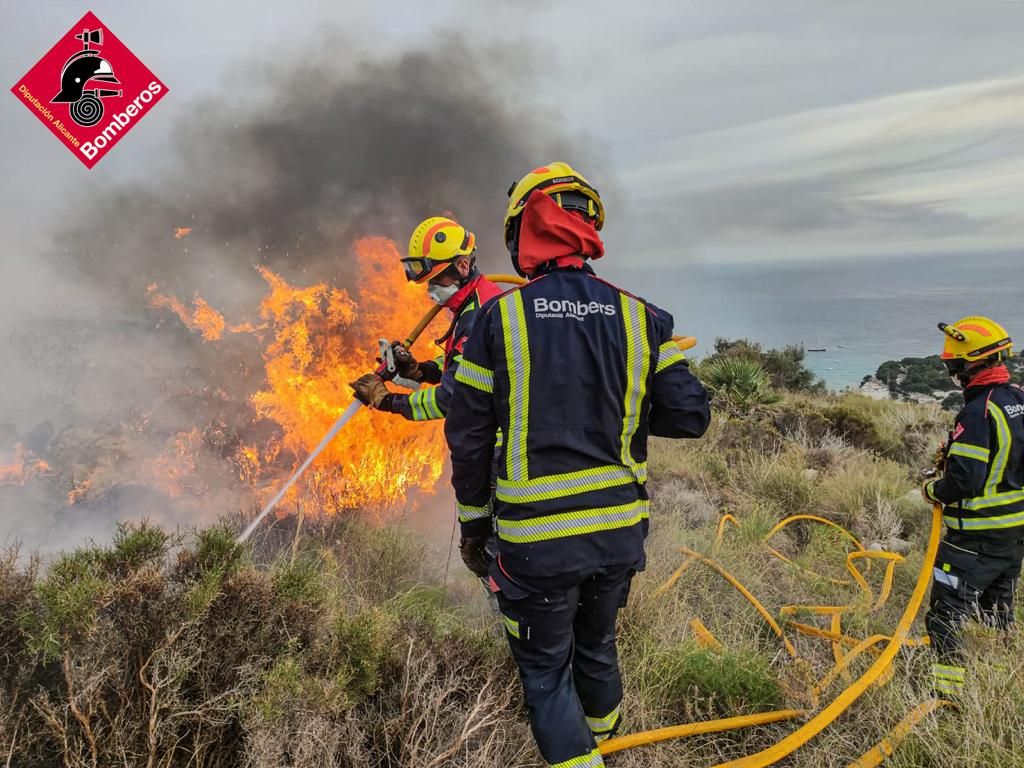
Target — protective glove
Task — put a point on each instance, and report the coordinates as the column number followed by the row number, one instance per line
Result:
column 474, row 554
column 940, row 457
column 927, row 490
column 370, row 389
column 405, row 363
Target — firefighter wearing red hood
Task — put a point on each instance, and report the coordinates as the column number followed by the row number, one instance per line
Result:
column 575, row 373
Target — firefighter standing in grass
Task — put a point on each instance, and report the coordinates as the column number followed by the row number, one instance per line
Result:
column 982, row 493
column 576, row 373
column 440, row 255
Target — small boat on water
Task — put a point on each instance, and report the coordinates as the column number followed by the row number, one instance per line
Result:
column 817, row 349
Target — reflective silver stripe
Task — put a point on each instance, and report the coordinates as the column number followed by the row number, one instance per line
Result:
column 416, row 404
column 995, row 476
column 431, row 400
column 424, row 405
column 590, row 760
column 949, row 672
column 985, row 523
column 517, row 355
column 947, row 686
column 668, row 354
column 605, row 723
column 638, row 354
column 941, row 577
column 995, row 500
column 468, row 513
column 568, row 484
column 576, row 523
column 475, row 376
column 970, row 451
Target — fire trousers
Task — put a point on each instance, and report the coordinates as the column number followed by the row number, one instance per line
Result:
column 975, row 578
column 563, row 641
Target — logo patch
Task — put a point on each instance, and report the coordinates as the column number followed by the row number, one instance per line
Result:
column 1014, row 410
column 569, row 308
column 89, row 90
column 958, row 431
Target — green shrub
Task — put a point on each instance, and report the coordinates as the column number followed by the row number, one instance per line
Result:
column 724, row 683
column 738, row 386
column 135, row 545
column 785, row 367
column 69, row 599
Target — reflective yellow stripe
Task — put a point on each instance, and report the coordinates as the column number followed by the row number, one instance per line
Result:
column 468, row 513
column 431, row 400
column 948, row 672
column 512, row 626
column 668, row 354
column 995, row 476
column 517, row 356
column 590, row 760
column 638, row 352
column 576, row 523
column 424, row 405
column 985, row 523
column 606, row 723
column 568, row 484
column 475, row 376
column 416, row 404
column 970, row 451
column 995, row 500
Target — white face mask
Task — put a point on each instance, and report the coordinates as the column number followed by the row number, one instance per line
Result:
column 440, row 294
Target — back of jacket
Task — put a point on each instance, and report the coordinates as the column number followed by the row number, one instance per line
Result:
column 983, row 485
column 576, row 373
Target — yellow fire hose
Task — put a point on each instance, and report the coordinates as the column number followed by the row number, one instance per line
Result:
column 876, row 672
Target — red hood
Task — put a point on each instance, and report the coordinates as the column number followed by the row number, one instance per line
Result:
column 549, row 233
column 997, row 374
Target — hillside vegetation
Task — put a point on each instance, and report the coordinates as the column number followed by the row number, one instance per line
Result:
column 341, row 643
column 917, row 377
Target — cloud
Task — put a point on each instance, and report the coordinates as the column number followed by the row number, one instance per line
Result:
column 907, row 171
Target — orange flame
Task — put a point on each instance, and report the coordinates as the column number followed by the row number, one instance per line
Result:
column 316, row 340
column 180, row 232
column 25, row 466
column 202, row 318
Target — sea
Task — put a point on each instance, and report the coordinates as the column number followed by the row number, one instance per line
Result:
column 861, row 311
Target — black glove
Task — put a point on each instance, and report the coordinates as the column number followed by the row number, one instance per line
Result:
column 405, row 364
column 474, row 554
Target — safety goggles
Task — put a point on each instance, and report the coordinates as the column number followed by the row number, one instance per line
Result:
column 418, row 268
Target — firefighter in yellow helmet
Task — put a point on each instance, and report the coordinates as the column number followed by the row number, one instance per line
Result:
column 440, row 256
column 576, row 373
column 981, row 488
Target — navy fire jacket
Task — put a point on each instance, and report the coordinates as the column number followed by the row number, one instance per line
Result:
column 575, row 373
column 983, row 485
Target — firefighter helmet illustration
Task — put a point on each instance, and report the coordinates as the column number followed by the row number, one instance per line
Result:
column 84, row 67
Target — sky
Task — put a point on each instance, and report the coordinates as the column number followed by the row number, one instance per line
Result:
column 835, row 173
column 734, row 131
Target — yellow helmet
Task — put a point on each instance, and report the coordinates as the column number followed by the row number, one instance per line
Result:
column 434, row 245
column 972, row 339
column 565, row 185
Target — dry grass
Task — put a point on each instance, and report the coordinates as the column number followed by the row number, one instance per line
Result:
column 336, row 646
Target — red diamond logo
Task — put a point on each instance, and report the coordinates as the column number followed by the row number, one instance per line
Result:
column 89, row 90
